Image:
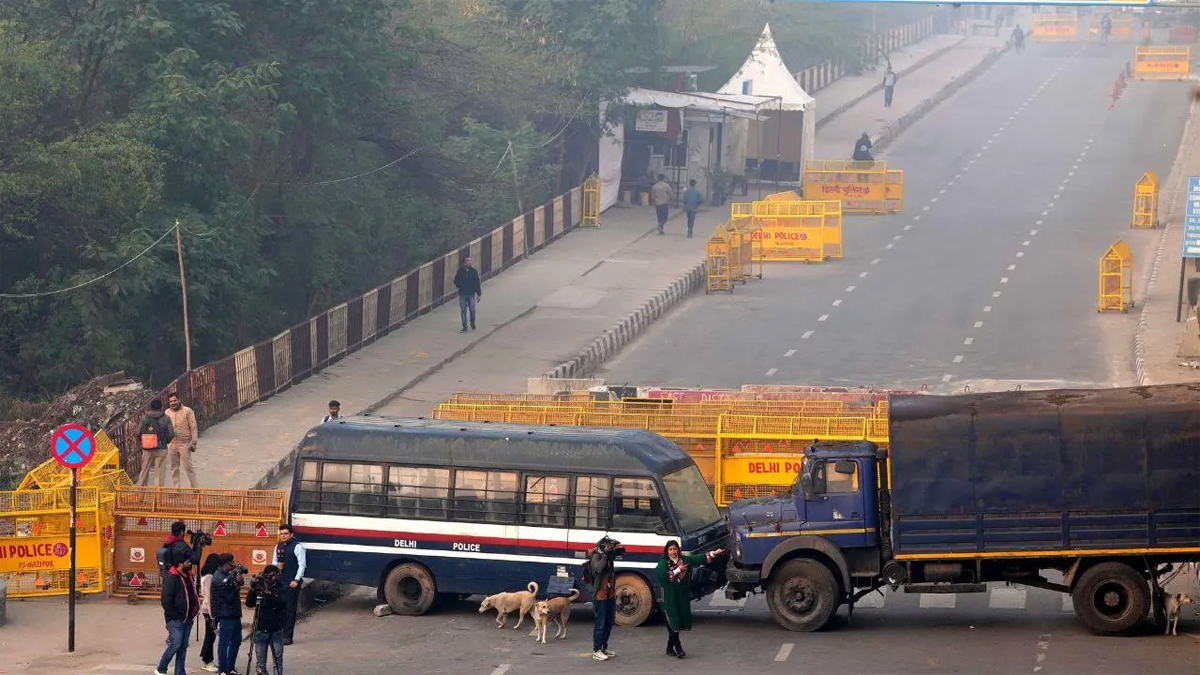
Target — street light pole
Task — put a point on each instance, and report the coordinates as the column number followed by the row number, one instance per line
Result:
column 187, row 335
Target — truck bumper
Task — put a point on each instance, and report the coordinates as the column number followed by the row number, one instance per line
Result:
column 742, row 576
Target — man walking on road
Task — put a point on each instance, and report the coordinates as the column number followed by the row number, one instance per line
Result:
column 470, row 292
column 292, row 559
column 156, row 433
column 889, row 87
column 660, row 196
column 187, row 435
column 692, row 199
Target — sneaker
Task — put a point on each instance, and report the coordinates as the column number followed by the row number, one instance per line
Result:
column 608, row 652
column 158, row 672
column 596, row 656
column 209, row 667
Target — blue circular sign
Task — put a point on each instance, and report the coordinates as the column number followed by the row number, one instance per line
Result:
column 73, row 446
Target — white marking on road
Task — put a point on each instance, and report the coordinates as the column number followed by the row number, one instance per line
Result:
column 1045, row 213
column 1090, row 141
column 938, row 600
column 823, row 317
column 926, row 208
column 1076, row 166
column 897, row 237
column 1050, row 205
column 889, row 246
column 1006, row 598
column 850, row 289
column 807, row 334
column 916, row 217
column 875, row 261
column 995, row 134
column 1012, row 267
column 837, row 303
column 933, row 200
column 968, row 341
column 1043, row 645
column 1026, row 242
column 1020, row 254
column 908, row 227
column 979, row 324
column 501, row 669
column 1033, row 233
column 784, row 652
column 987, row 308
column 970, row 162
column 862, row 275
column 978, row 154
column 1068, row 605
column 872, row 600
column 772, row 371
column 949, row 183
column 789, row 353
column 957, row 176
column 958, row 358
column 1004, row 280
column 1039, row 222
column 1011, row 117
column 995, row 294
column 1070, row 173
column 941, row 192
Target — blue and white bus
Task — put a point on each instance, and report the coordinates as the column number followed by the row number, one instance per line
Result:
column 422, row 509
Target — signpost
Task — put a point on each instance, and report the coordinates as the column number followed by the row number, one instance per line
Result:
column 1191, row 237
column 72, row 446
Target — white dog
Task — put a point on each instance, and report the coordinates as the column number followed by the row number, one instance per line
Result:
column 1173, row 602
column 517, row 601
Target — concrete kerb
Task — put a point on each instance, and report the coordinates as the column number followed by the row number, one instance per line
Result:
column 924, row 60
column 885, row 139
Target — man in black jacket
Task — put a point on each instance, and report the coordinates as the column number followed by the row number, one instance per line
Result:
column 155, row 433
column 226, row 605
column 470, row 291
column 180, row 604
column 269, row 595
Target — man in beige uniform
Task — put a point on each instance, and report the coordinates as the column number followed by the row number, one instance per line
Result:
column 660, row 196
column 187, row 434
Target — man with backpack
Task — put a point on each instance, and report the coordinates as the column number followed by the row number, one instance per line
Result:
column 599, row 572
column 156, row 433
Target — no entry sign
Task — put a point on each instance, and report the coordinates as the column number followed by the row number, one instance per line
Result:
column 73, row 446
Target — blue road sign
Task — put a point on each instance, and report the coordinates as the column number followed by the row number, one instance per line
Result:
column 73, row 446
column 1191, row 220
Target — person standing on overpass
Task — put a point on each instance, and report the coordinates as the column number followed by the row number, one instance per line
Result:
column 889, row 87
column 660, row 196
column 692, row 199
column 470, row 292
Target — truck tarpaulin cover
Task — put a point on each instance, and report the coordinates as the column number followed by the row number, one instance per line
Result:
column 1041, row 470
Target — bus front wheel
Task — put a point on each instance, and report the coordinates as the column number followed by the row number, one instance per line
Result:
column 635, row 602
column 409, row 589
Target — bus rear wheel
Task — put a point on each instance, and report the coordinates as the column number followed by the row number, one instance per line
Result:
column 635, row 602
column 409, row 589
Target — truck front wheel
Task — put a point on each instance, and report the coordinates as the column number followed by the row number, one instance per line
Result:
column 1111, row 598
column 802, row 595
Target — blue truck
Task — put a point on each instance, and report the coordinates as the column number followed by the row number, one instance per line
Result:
column 1095, row 493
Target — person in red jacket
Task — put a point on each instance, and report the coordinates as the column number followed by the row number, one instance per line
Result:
column 180, row 604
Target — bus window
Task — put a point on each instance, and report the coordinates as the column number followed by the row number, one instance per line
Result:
column 691, row 498
column 592, row 503
column 485, row 496
column 418, row 492
column 308, row 492
column 335, row 488
column 366, row 490
column 637, row 506
column 546, row 500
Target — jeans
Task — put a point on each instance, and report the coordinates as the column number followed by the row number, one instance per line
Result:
column 261, row 640
column 177, row 636
column 466, row 305
column 210, row 639
column 691, row 216
column 887, row 96
column 606, row 614
column 229, row 638
column 662, row 212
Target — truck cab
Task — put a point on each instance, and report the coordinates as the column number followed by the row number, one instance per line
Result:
column 809, row 549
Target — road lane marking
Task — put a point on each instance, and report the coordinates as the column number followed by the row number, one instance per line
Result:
column 1020, row 254
column 1068, row 605
column 1070, row 173
column 897, row 237
column 823, row 317
column 987, row 308
column 850, row 289
column 1043, row 645
column 1050, row 205
column 1004, row 280
column 889, row 246
column 926, row 208
column 807, row 334
column 501, row 669
column 938, row 600
column 945, row 378
column 908, row 227
column 837, row 302
column 995, row 294
column 873, row 600
column 1026, row 242
column 957, row 176
column 1039, row 222
column 1033, row 233
column 875, row 261
column 979, row 324
column 789, row 353
column 958, row 358
column 933, row 200
column 1045, row 213
column 1006, row 598
column 917, row 217
column 784, row 652
column 772, row 371
column 968, row 341
column 941, row 192
column 1012, row 267
column 862, row 275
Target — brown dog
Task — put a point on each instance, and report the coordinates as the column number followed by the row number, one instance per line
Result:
column 517, row 601
column 560, row 610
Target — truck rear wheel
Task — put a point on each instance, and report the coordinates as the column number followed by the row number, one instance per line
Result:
column 802, row 595
column 635, row 602
column 409, row 589
column 1111, row 598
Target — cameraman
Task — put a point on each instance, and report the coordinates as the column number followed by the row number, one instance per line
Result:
column 269, row 594
column 227, row 610
column 177, row 548
column 599, row 572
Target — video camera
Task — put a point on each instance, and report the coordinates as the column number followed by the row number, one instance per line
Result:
column 264, row 584
column 200, row 539
column 607, row 543
column 240, row 570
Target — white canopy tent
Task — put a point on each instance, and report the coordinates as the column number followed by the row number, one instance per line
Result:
column 786, row 134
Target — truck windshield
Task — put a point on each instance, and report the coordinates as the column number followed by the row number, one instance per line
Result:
column 691, row 498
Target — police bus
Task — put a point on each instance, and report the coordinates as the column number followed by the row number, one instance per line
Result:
column 435, row 509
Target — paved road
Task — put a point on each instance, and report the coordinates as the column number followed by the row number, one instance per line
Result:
column 1015, row 187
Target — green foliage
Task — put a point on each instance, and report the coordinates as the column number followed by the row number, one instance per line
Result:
column 310, row 149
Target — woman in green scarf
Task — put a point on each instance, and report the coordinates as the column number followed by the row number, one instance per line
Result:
column 674, row 581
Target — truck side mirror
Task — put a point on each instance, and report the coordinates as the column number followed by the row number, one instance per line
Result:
column 806, row 487
column 844, row 467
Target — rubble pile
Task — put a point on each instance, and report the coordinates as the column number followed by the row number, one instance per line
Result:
column 107, row 402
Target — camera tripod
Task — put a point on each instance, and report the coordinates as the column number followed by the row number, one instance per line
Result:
column 276, row 657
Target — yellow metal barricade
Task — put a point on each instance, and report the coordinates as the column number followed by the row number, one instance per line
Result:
column 861, row 187
column 50, row 474
column 791, row 230
column 1054, row 28
column 591, row 201
column 831, row 228
column 34, row 536
column 1145, row 202
column 718, row 270
column 1167, row 62
column 1116, row 279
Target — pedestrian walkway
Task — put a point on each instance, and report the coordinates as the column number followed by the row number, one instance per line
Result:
column 541, row 312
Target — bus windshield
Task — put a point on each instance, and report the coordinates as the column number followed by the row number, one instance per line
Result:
column 691, row 498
